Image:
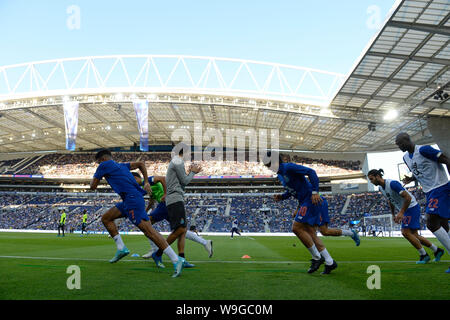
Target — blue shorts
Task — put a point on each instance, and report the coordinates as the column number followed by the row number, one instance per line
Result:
column 411, row 219
column 309, row 213
column 159, row 213
column 438, row 201
column 133, row 208
column 324, row 218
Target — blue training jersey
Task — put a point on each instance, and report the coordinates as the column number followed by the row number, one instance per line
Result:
column 293, row 178
column 119, row 177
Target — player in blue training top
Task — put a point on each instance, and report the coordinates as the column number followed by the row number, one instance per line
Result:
column 427, row 167
column 303, row 184
column 121, row 180
column 408, row 213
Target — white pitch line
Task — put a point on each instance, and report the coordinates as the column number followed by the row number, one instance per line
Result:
column 204, row 261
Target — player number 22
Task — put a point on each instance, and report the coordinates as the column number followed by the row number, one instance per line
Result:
column 433, row 203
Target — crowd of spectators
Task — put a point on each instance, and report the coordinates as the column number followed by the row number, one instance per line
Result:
column 82, row 165
column 214, row 213
column 328, row 167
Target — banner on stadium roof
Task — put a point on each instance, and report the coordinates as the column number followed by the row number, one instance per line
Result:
column 71, row 123
column 141, row 109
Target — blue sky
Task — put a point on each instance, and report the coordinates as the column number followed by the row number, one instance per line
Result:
column 327, row 34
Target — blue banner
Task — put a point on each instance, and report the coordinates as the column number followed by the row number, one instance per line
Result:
column 71, row 123
column 141, row 109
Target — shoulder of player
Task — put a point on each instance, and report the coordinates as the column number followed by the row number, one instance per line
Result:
column 290, row 166
column 396, row 186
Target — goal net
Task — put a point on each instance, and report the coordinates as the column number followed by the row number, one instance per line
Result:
column 381, row 225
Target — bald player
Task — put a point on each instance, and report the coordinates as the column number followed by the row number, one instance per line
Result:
column 427, row 167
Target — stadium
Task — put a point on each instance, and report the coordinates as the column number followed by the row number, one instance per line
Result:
column 55, row 115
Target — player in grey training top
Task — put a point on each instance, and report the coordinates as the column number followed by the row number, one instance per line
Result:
column 176, row 182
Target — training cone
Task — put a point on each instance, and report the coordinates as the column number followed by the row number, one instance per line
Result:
column 246, row 256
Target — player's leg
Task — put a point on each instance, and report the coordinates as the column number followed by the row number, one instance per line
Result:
column 108, row 221
column 329, row 232
column 438, row 213
column 335, row 232
column 207, row 244
column 299, row 227
column 177, row 220
column 330, row 264
column 190, row 235
column 438, row 252
column 135, row 211
column 409, row 235
column 181, row 241
column 300, row 230
column 324, row 220
column 434, row 225
column 146, row 227
column 314, row 215
column 62, row 227
column 445, row 225
column 174, row 235
column 156, row 215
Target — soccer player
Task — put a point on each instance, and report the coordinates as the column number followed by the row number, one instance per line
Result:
column 427, row 167
column 307, row 215
column 160, row 213
column 234, row 228
column 121, row 180
column 334, row 232
column 176, row 181
column 84, row 222
column 408, row 213
column 62, row 223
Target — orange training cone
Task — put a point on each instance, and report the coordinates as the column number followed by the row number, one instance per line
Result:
column 246, row 257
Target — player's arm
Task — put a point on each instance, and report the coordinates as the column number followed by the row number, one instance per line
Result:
column 94, row 183
column 141, row 166
column 184, row 178
column 397, row 187
column 407, row 180
column 283, row 196
column 150, row 204
column 399, row 217
column 313, row 178
column 435, row 155
column 98, row 176
column 392, row 208
column 445, row 160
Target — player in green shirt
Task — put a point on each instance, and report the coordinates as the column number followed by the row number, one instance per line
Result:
column 84, row 223
column 62, row 223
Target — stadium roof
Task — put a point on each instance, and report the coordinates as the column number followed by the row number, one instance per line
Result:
column 401, row 69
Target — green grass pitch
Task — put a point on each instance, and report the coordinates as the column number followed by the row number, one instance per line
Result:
column 34, row 267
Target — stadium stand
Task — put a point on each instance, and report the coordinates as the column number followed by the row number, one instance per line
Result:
column 210, row 213
column 76, row 165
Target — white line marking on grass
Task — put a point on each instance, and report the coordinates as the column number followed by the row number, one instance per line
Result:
column 205, row 261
